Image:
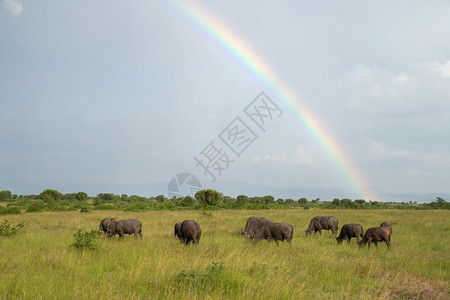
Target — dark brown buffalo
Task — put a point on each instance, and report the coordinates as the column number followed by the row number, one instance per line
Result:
column 275, row 231
column 105, row 223
column 190, row 231
column 388, row 226
column 319, row 223
column 375, row 235
column 177, row 229
column 123, row 227
column 254, row 226
column 351, row 230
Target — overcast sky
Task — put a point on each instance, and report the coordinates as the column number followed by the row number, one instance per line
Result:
column 129, row 92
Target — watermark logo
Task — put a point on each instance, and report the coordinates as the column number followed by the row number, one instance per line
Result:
column 262, row 110
column 183, row 184
column 213, row 160
column 237, row 136
column 219, row 154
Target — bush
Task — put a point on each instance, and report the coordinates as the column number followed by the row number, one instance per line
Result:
column 86, row 239
column 84, row 209
column 106, row 207
column 137, row 207
column 6, row 228
column 12, row 210
column 36, row 206
column 187, row 201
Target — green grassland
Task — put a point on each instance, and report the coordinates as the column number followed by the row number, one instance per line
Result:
column 38, row 262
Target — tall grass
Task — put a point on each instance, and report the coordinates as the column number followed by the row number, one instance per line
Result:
column 39, row 262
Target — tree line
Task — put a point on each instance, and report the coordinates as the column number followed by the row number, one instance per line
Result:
column 52, row 200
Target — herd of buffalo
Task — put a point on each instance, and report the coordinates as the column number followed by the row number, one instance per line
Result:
column 259, row 228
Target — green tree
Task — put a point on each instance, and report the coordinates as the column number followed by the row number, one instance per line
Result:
column 5, row 195
column 69, row 197
column 208, row 197
column 302, row 200
column 242, row 199
column 347, row 203
column 54, row 194
column 134, row 198
column 50, row 202
column 187, row 201
column 440, row 203
column 360, row 201
column 98, row 201
column 268, row 199
column 228, row 199
column 108, row 197
column 289, row 201
column 439, row 200
column 336, row 202
column 81, row 196
column 255, row 200
column 50, row 198
column 160, row 198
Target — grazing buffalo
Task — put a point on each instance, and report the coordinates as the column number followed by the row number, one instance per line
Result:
column 351, row 230
column 254, row 226
column 387, row 225
column 177, row 229
column 275, row 231
column 122, row 227
column 105, row 223
column 190, row 231
column 375, row 235
column 320, row 223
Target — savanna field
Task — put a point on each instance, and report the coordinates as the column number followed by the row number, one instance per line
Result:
column 39, row 263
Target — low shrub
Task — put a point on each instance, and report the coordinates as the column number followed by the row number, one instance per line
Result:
column 6, row 228
column 84, row 209
column 36, row 206
column 86, row 239
column 12, row 210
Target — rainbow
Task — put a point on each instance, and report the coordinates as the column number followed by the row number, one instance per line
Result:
column 238, row 49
